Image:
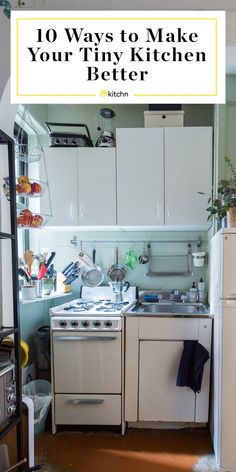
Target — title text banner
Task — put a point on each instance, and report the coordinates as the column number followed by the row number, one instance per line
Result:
column 118, row 57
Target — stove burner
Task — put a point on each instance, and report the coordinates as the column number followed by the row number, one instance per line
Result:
column 105, row 306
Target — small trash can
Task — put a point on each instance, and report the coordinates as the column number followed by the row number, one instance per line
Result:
column 40, row 392
column 42, row 341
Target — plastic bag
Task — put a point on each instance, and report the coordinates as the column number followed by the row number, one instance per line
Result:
column 40, row 392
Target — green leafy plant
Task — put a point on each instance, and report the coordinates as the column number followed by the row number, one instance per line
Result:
column 226, row 194
column 7, row 6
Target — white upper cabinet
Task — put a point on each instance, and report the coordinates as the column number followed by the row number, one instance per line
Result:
column 140, row 170
column 159, row 174
column 188, row 164
column 152, row 178
column 97, row 186
column 62, row 168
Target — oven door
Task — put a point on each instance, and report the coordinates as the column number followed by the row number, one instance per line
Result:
column 87, row 362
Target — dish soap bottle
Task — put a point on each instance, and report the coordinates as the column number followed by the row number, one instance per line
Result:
column 201, row 291
column 193, row 294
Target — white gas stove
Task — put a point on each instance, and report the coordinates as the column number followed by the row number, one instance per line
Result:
column 93, row 311
column 88, row 358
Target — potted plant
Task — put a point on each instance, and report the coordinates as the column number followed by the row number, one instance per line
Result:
column 7, row 6
column 224, row 204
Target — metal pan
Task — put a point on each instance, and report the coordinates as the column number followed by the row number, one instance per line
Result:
column 92, row 276
column 117, row 272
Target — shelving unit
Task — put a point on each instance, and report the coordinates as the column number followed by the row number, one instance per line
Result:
column 31, row 180
column 8, row 231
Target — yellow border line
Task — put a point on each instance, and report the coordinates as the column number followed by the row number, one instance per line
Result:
column 83, row 18
column 116, row 18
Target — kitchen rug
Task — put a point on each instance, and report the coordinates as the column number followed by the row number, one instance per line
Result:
column 206, row 464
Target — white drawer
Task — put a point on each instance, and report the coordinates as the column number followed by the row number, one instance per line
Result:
column 168, row 328
column 88, row 409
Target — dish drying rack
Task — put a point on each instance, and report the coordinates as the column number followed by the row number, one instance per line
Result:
column 170, row 265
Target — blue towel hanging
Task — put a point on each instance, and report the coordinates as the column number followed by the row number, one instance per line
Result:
column 191, row 367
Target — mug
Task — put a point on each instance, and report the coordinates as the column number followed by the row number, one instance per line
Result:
column 28, row 292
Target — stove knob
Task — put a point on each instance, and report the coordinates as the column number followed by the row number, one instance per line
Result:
column 97, row 324
column 74, row 323
column 63, row 323
column 11, row 398
column 85, row 324
column 11, row 409
column 108, row 324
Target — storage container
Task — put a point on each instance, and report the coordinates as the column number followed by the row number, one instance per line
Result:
column 162, row 119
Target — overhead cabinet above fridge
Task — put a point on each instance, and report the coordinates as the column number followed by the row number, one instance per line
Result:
column 159, row 174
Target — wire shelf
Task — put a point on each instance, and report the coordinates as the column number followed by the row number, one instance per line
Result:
column 28, row 153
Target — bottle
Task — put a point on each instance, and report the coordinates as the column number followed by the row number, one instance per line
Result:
column 201, row 291
column 201, row 285
column 193, row 293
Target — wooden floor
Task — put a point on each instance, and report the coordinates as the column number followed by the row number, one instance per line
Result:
column 137, row 451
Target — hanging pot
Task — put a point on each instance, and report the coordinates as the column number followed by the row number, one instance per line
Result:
column 92, row 276
column 117, row 272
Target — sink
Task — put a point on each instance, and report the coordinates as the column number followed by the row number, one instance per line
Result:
column 171, row 308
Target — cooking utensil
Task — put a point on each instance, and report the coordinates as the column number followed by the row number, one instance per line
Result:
column 143, row 259
column 50, row 271
column 29, row 259
column 117, row 289
column 71, row 273
column 92, row 276
column 84, row 259
column 71, row 278
column 44, row 265
column 50, row 259
column 42, row 271
column 24, row 274
column 67, row 268
column 117, row 272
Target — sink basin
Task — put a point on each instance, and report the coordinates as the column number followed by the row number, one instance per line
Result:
column 171, row 308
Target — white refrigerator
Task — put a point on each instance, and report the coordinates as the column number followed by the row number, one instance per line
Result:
column 223, row 306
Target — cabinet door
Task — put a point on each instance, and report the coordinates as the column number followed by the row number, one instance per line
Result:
column 97, row 186
column 140, row 176
column 188, row 170
column 159, row 398
column 62, row 177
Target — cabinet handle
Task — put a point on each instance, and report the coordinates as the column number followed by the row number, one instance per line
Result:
column 158, row 210
column 86, row 401
column 168, row 209
column 72, row 210
column 82, row 209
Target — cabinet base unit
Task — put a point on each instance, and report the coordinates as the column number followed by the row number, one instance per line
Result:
column 87, row 409
column 154, row 346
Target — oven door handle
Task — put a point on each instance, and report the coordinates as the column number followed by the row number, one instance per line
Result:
column 87, row 401
column 85, row 338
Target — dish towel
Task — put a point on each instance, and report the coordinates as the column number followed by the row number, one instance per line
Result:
column 191, row 366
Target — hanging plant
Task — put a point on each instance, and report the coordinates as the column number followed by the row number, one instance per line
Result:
column 7, row 6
